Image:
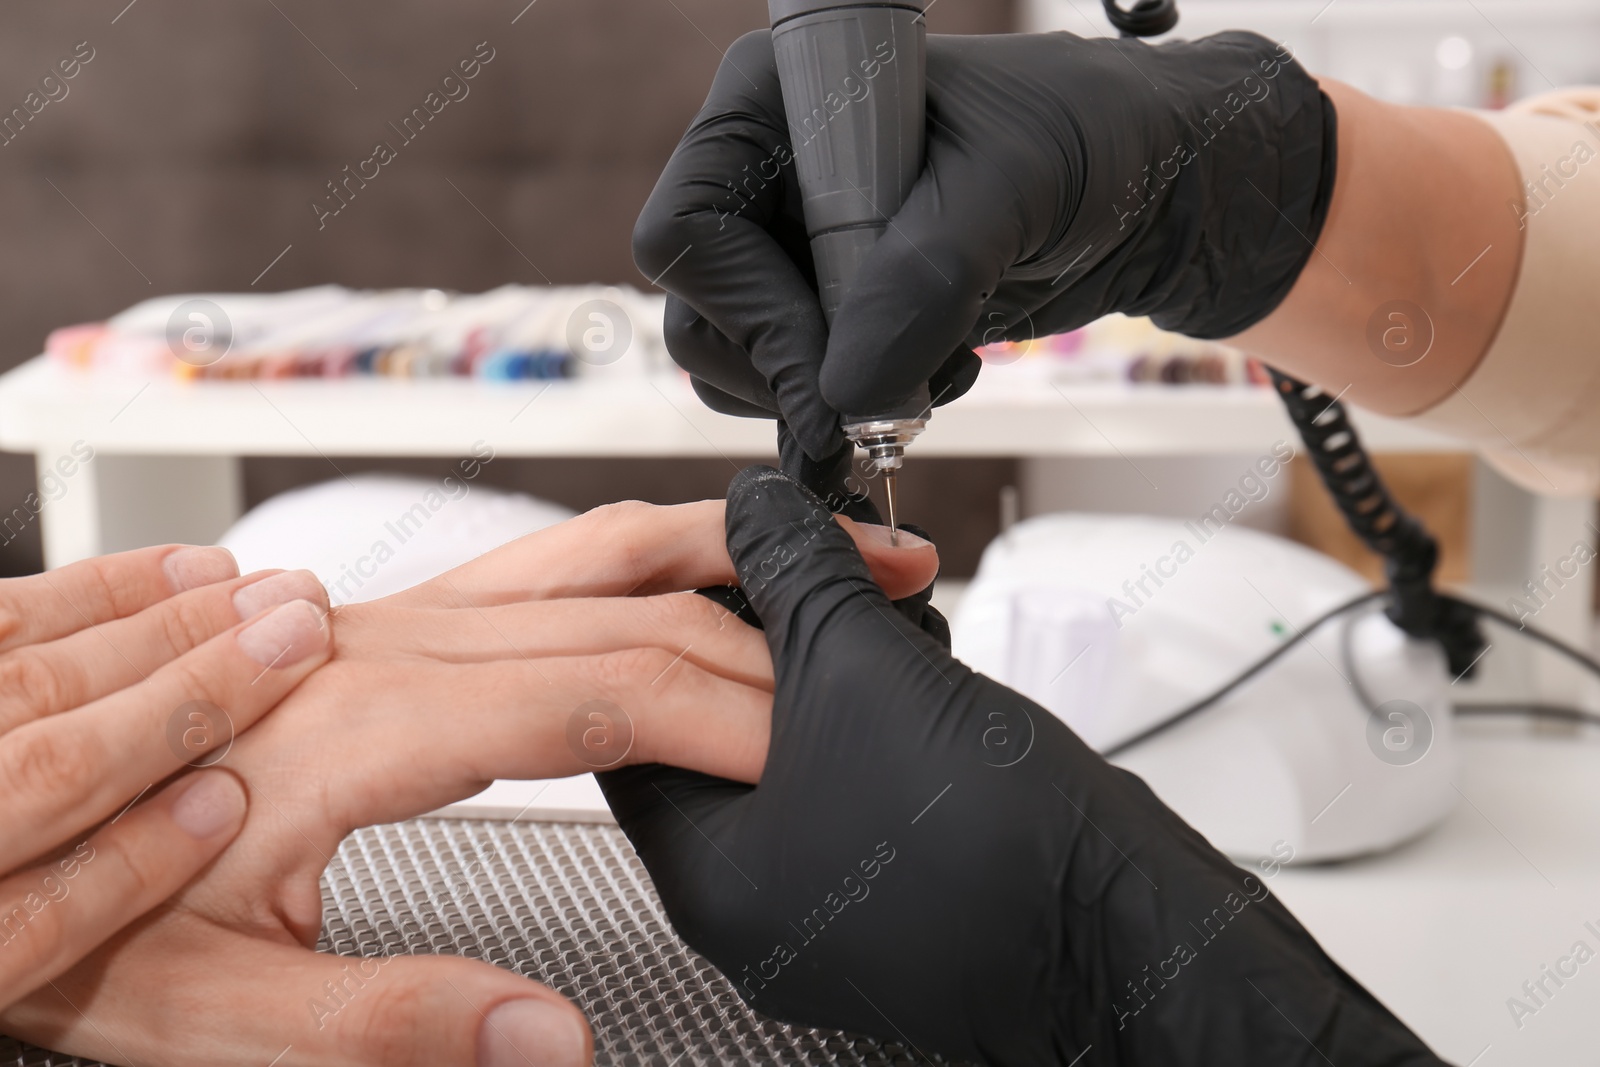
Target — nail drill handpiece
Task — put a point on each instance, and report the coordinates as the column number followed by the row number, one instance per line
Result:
column 852, row 75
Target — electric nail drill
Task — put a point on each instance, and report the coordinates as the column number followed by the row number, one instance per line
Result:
column 852, row 77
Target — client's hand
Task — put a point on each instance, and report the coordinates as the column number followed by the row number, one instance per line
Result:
column 110, row 673
column 431, row 694
column 933, row 858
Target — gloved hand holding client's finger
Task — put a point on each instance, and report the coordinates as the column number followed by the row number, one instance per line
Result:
column 931, row 857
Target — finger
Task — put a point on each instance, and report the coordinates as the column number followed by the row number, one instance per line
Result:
column 269, row 1003
column 44, row 679
column 674, row 819
column 714, row 362
column 726, row 403
column 837, row 642
column 703, row 633
column 702, row 723
column 65, row 773
column 923, row 285
column 54, row 914
column 777, row 529
column 524, row 719
column 803, row 574
column 918, row 607
column 955, row 376
column 621, row 549
column 639, row 797
column 902, row 569
column 43, row 607
column 626, row 549
column 733, row 255
column 833, row 477
column 557, row 717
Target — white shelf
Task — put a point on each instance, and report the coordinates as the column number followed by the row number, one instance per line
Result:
column 1011, row 411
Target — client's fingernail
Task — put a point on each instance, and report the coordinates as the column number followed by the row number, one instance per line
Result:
column 286, row 635
column 212, row 803
column 253, row 599
column 880, row 534
column 520, row 1032
column 190, row 568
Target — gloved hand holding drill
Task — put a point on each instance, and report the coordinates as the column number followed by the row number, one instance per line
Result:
column 1066, row 178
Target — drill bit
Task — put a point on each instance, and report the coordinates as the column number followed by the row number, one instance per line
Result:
column 885, row 441
column 888, row 488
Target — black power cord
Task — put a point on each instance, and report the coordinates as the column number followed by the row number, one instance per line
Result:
column 1410, row 555
column 1556, row 712
column 1534, row 709
column 1211, row 698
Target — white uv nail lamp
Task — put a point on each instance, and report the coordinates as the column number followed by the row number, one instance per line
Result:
column 1114, row 623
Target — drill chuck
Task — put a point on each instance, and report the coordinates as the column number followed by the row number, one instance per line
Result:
column 885, row 440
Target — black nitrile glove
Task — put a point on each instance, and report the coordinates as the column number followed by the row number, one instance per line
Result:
column 1066, row 178
column 932, row 858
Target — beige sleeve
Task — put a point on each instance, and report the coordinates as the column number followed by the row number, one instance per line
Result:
column 1532, row 404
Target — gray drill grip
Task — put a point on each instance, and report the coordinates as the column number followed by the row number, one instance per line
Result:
column 852, row 77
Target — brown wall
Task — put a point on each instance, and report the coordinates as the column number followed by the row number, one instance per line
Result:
column 188, row 151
